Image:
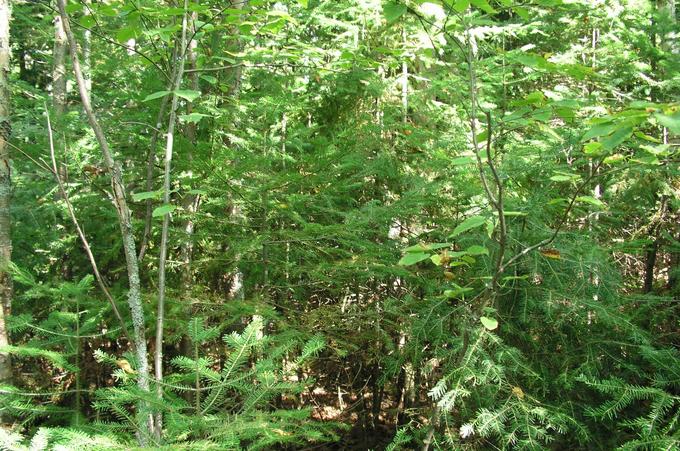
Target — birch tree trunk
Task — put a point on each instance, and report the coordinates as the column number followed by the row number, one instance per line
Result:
column 158, row 355
column 5, row 190
column 87, row 49
column 59, row 68
column 192, row 201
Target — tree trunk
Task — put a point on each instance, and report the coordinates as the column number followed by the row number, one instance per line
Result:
column 59, row 68
column 87, row 49
column 125, row 222
column 191, row 201
column 158, row 355
column 5, row 190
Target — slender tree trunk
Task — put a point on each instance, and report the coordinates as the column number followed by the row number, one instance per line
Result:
column 191, row 204
column 59, row 68
column 192, row 201
column 87, row 49
column 5, row 191
column 125, row 222
column 158, row 355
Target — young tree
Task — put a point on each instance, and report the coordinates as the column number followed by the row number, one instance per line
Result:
column 5, row 190
column 125, row 222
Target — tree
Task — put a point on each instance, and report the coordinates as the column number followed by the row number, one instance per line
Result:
column 5, row 190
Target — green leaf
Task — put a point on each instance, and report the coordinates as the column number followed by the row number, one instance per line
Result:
column 533, row 60
column 393, row 11
column 590, row 200
column 127, row 33
column 592, row 148
column 304, row 3
column 156, row 95
column 599, row 130
column 469, row 223
column 193, row 118
column 562, row 178
column 199, row 192
column 458, row 5
column 460, row 161
column 138, row 197
column 412, row 258
column 74, row 8
column 489, row 323
column 477, row 250
column 456, row 291
column 522, row 12
column 426, row 247
column 535, row 97
column 209, row 78
column 672, row 123
column 188, row 94
column 484, row 6
column 612, row 159
column 163, row 210
column 617, row 138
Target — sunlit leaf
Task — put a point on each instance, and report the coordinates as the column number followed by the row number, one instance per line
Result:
column 188, row 94
column 672, row 123
column 163, row 210
column 489, row 323
column 138, row 197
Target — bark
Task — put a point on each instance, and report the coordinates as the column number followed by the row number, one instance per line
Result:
column 5, row 191
column 125, row 223
column 59, row 68
column 158, row 355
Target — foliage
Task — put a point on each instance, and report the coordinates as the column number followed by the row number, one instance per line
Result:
column 393, row 225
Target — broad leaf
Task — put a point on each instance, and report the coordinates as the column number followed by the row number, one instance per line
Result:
column 469, row 223
column 412, row 258
column 156, row 95
column 672, row 123
column 188, row 94
column 393, row 11
column 477, row 250
column 163, row 210
column 138, row 197
column 489, row 323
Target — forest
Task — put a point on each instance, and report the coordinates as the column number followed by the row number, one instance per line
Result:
column 340, row 225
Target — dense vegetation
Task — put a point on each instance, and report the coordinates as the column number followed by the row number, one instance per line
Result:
column 351, row 224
